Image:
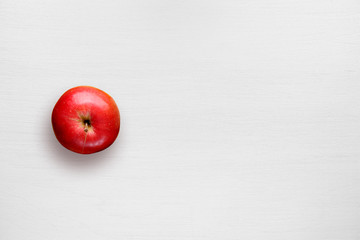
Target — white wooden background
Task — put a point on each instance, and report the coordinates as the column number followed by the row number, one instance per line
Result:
column 240, row 119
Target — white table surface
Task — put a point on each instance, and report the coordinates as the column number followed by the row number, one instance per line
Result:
column 240, row 120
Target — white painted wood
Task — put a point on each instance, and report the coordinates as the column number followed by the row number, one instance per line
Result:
column 240, row 119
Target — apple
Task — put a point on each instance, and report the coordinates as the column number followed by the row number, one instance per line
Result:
column 86, row 120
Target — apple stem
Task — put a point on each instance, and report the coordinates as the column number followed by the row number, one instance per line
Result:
column 86, row 129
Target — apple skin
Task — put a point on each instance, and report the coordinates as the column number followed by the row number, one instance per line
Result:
column 86, row 120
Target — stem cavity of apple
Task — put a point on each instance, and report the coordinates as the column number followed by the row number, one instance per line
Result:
column 87, row 125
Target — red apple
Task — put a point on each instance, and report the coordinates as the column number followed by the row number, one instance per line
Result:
column 86, row 120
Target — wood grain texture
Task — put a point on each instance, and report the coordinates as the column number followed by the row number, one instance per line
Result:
column 240, row 119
